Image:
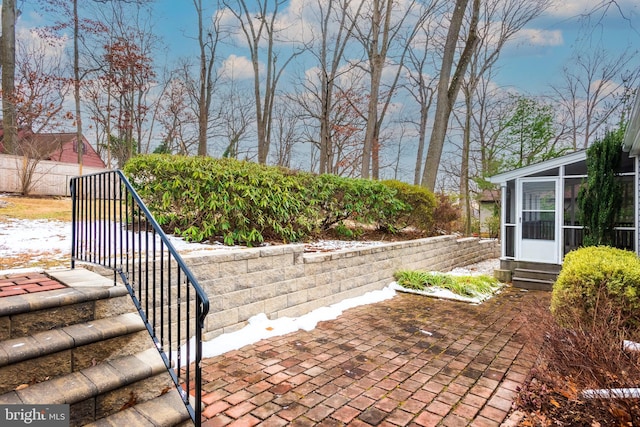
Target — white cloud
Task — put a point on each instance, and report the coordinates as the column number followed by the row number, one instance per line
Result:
column 570, row 8
column 538, row 37
column 30, row 40
column 607, row 88
column 237, row 67
column 573, row 8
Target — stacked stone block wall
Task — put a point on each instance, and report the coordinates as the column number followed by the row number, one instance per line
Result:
column 284, row 281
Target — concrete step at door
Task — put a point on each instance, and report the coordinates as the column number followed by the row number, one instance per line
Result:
column 535, row 278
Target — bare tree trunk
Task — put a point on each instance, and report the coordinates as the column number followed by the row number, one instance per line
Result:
column 76, row 86
column 377, row 51
column 372, row 119
column 465, row 199
column 375, row 155
column 336, row 30
column 422, row 135
column 512, row 16
column 8, row 58
column 260, row 34
column 421, row 89
column 203, row 112
column 448, row 88
column 377, row 42
column 326, row 149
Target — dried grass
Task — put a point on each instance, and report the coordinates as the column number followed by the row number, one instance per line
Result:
column 19, row 207
column 44, row 259
column 590, row 356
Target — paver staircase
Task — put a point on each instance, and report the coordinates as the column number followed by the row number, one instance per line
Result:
column 535, row 276
column 87, row 347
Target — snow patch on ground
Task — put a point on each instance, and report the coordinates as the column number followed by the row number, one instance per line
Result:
column 20, row 236
column 334, row 245
column 261, row 327
column 30, row 244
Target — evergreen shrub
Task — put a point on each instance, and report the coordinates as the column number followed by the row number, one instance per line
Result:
column 207, row 199
column 421, row 205
column 364, row 201
column 201, row 198
column 600, row 200
column 598, row 280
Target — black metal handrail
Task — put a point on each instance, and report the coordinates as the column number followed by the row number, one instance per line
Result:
column 112, row 227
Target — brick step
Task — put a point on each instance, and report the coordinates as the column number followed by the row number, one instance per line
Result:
column 88, row 296
column 105, row 390
column 71, row 348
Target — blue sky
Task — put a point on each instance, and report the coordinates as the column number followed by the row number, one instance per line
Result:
column 532, row 68
column 529, row 63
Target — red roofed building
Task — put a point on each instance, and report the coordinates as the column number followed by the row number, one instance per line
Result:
column 59, row 147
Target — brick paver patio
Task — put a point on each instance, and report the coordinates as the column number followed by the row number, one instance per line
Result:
column 25, row 283
column 408, row 361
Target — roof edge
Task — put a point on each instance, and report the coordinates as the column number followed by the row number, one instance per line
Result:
column 503, row 177
column 631, row 141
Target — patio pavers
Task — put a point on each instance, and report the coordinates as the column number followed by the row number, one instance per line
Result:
column 26, row 283
column 408, row 361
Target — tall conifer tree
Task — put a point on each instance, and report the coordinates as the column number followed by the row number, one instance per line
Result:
column 600, row 200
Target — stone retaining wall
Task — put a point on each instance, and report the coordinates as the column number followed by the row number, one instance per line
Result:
column 284, row 281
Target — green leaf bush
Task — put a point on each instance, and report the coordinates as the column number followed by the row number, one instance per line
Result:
column 600, row 200
column 339, row 199
column 598, row 286
column 420, row 207
column 206, row 199
column 201, row 198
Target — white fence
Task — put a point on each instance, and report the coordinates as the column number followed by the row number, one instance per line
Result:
column 49, row 178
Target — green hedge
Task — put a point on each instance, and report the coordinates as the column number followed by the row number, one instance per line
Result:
column 361, row 200
column 598, row 283
column 420, row 207
column 201, row 198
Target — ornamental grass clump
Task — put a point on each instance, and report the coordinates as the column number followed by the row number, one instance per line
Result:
column 467, row 286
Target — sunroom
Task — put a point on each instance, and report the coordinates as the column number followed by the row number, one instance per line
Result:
column 540, row 218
